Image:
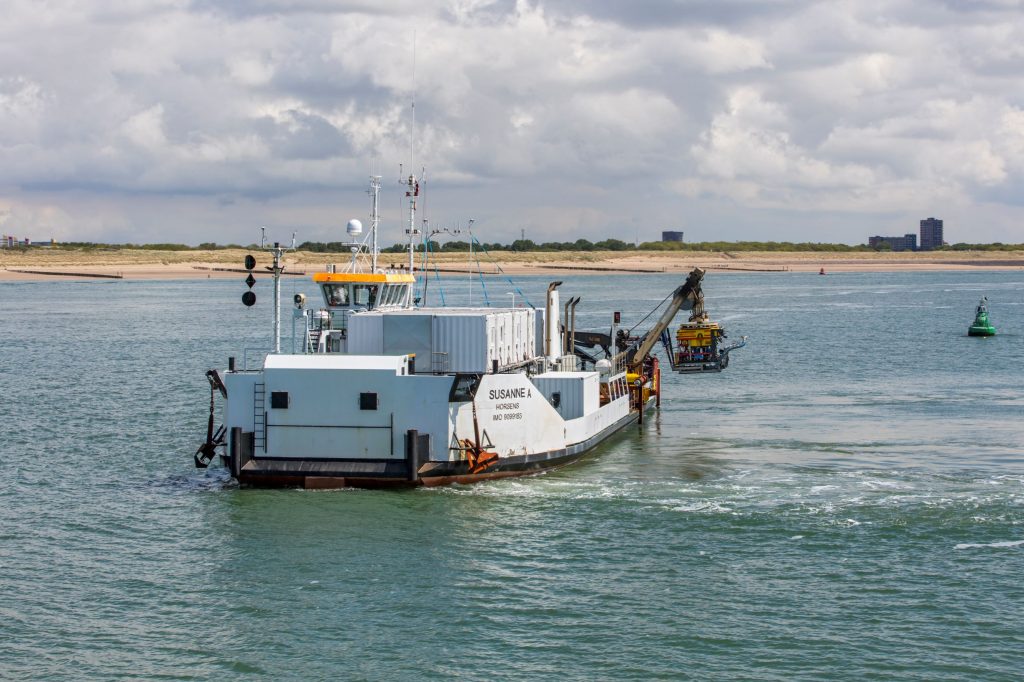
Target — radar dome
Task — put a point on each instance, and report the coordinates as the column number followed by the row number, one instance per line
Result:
column 355, row 228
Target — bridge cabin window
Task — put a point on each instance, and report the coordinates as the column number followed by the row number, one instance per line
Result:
column 394, row 294
column 357, row 295
column 614, row 388
column 619, row 386
column 365, row 294
column 336, row 295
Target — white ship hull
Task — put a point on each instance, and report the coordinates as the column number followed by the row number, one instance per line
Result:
column 385, row 394
column 320, row 420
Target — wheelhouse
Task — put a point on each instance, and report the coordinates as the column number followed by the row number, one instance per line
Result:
column 365, row 291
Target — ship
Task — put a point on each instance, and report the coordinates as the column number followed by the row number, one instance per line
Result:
column 379, row 392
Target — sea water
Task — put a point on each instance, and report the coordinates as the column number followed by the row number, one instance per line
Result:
column 845, row 501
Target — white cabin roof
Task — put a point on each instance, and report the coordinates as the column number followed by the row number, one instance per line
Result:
column 442, row 312
column 335, row 361
column 565, row 375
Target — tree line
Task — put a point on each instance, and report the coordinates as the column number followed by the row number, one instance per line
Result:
column 528, row 245
column 101, row 246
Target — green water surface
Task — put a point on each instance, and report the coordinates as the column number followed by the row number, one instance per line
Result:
column 845, row 502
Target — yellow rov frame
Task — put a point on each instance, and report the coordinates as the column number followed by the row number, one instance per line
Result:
column 698, row 346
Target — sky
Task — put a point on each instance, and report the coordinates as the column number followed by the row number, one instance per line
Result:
column 771, row 120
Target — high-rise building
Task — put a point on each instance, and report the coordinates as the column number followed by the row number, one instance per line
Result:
column 931, row 234
column 670, row 236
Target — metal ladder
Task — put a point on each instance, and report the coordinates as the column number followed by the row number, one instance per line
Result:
column 313, row 340
column 259, row 416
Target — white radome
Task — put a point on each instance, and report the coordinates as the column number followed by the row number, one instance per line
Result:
column 355, row 228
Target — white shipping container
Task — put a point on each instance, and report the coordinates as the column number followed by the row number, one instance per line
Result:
column 474, row 338
column 461, row 339
column 365, row 334
column 520, row 335
column 504, row 324
column 498, row 336
column 538, row 332
column 578, row 392
column 465, row 339
column 528, row 336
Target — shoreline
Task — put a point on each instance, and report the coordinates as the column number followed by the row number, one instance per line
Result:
column 46, row 265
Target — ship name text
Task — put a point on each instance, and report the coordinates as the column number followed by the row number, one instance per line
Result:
column 509, row 393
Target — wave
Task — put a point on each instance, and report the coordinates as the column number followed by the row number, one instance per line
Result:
column 998, row 545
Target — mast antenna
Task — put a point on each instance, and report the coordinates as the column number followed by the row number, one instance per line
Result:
column 374, row 192
column 412, row 132
column 277, row 251
column 412, row 184
column 412, row 137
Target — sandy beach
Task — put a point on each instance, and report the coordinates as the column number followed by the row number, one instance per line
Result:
column 42, row 264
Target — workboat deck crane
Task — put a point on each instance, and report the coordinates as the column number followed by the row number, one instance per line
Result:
column 698, row 346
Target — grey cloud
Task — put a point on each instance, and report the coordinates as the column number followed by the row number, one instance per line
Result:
column 660, row 14
column 251, row 8
column 737, row 119
column 304, row 136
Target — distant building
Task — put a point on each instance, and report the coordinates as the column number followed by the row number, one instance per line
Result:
column 9, row 242
column 670, row 236
column 931, row 234
column 907, row 242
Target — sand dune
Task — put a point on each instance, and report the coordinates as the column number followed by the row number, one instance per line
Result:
column 47, row 264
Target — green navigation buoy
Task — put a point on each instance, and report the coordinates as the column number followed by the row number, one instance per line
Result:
column 981, row 326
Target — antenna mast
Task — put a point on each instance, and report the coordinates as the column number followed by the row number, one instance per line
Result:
column 412, row 190
column 277, row 251
column 412, row 185
column 374, row 192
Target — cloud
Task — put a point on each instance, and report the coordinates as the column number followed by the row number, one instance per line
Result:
column 733, row 118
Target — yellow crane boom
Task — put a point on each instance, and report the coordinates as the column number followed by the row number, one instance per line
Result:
column 687, row 296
